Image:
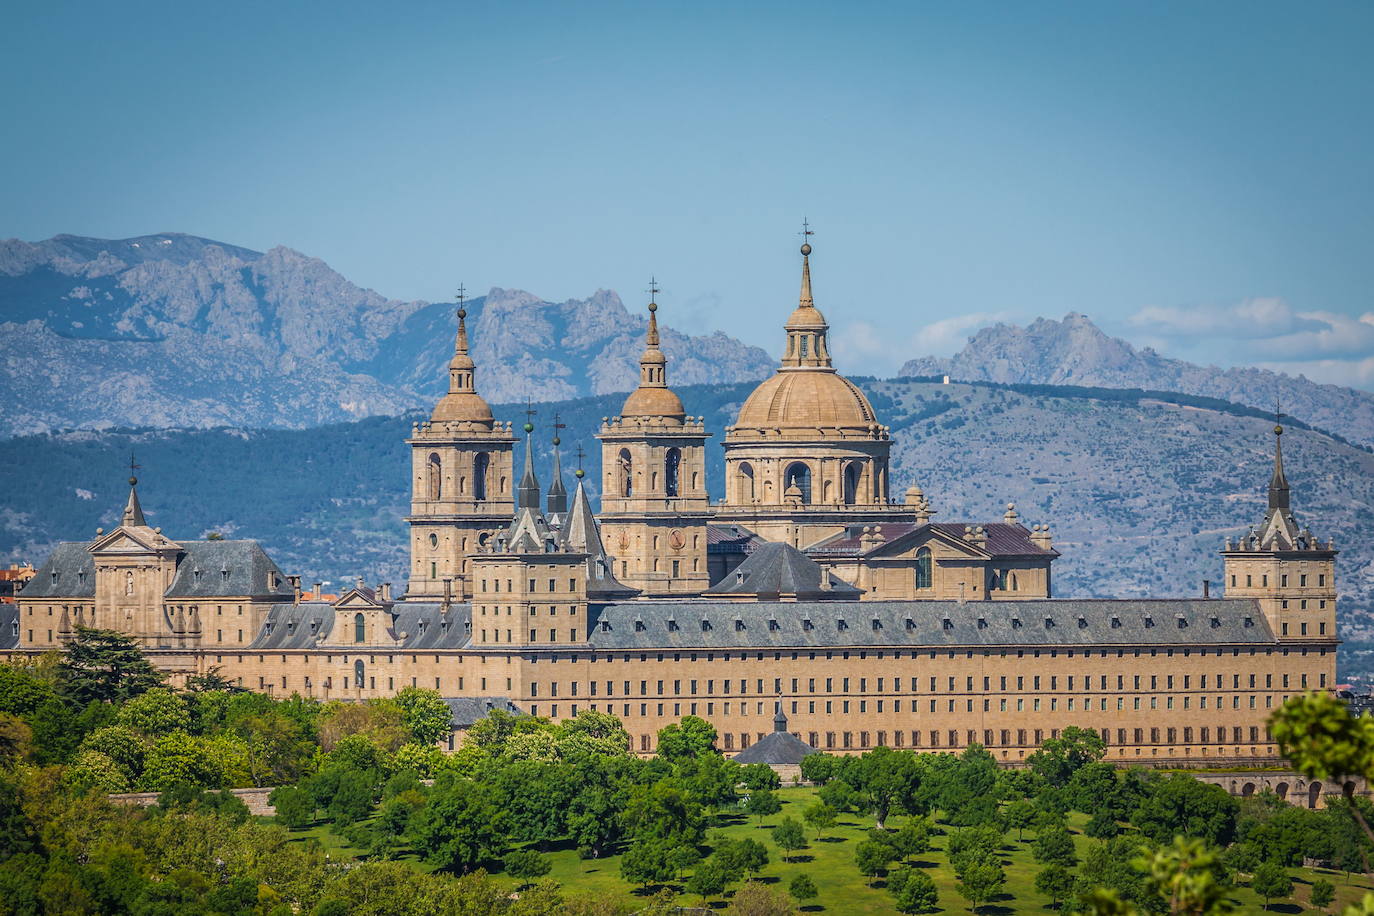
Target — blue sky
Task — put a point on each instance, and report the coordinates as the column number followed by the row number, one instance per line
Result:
column 1192, row 176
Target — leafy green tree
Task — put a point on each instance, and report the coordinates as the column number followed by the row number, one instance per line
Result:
column 1179, row 805
column 648, row 860
column 913, row 891
column 1054, row 846
column 92, row 769
column 980, row 882
column 1102, row 826
column 692, row 737
column 104, row 666
column 22, row 690
column 1271, row 880
column 155, row 712
column 819, row 768
column 424, row 714
column 788, row 836
column 122, row 745
column 969, row 792
column 708, row 880
column 461, row 826
column 424, row 760
column 294, row 806
column 1020, row 815
column 353, row 798
column 1323, row 893
column 1188, row 874
column 181, row 759
column 1060, row 758
column 971, row 845
column 764, row 803
column 802, row 888
column 758, row 777
column 872, row 858
column 536, row 795
column 664, row 810
column 526, row 864
column 840, row 795
column 819, row 816
column 881, row 778
column 1056, row 882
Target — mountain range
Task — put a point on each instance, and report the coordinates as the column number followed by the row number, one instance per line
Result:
column 172, row 330
column 1074, row 351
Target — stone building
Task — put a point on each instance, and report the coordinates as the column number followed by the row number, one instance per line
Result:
column 808, row 594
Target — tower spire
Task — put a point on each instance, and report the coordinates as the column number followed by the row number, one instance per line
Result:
column 805, row 300
column 557, row 500
column 133, row 510
column 1278, row 483
column 528, row 495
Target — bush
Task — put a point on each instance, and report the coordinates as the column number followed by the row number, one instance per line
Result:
column 295, row 807
column 526, row 864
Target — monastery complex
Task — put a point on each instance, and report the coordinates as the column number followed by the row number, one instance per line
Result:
column 809, row 590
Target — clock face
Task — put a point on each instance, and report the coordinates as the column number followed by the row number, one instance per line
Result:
column 676, row 540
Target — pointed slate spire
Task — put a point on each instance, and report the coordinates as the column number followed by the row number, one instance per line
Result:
column 580, row 531
column 1278, row 484
column 779, row 719
column 133, row 510
column 558, row 496
column 528, row 494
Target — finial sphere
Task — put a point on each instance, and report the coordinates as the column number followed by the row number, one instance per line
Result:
column 133, row 481
column 806, row 248
column 462, row 313
column 529, row 427
column 1278, row 430
column 579, row 473
column 556, row 440
column 653, row 306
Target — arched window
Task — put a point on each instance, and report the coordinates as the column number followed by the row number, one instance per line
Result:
column 746, row 482
column 359, row 629
column 798, row 475
column 851, row 482
column 358, row 672
column 923, row 573
column 627, row 470
column 480, row 465
column 436, row 481
column 671, row 465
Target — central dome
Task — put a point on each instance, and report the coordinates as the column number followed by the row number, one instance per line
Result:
column 807, row 400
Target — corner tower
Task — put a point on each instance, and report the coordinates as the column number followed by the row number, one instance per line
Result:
column 807, row 456
column 653, row 495
column 1290, row 571
column 461, row 468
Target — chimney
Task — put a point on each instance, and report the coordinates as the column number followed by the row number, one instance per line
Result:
column 319, row 591
column 1206, row 588
column 448, row 593
column 295, row 589
column 386, row 591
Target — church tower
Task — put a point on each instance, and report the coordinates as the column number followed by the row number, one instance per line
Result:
column 1290, row 572
column 653, row 491
column 461, row 469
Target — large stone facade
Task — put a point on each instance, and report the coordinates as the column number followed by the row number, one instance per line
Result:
column 808, row 591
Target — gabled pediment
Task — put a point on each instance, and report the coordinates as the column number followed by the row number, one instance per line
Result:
column 905, row 547
column 361, row 599
column 128, row 540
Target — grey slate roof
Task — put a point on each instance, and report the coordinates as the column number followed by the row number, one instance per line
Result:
column 1002, row 539
column 9, row 626
column 1050, row 623
column 311, row 624
column 775, row 749
column 468, row 711
column 75, row 570
column 217, row 569
column 780, row 569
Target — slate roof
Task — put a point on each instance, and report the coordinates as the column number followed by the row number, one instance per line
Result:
column 774, row 569
column 9, row 626
column 1049, row 623
column 1003, row 540
column 776, row 749
column 731, row 539
column 75, row 574
column 310, row 624
column 468, row 711
column 226, row 568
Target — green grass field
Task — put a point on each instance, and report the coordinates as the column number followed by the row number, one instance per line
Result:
column 830, row 864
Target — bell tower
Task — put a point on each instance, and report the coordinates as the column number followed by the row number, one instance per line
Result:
column 461, row 468
column 1290, row 571
column 653, row 492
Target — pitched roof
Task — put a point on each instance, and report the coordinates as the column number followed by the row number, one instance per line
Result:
column 415, row 625
column 9, row 626
column 1047, row 623
column 774, row 569
column 68, row 572
column 468, row 711
column 776, row 749
column 220, row 569
column 731, row 539
column 581, row 533
column 1002, row 539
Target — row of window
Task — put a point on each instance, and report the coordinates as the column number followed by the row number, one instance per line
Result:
column 914, row 654
column 533, row 585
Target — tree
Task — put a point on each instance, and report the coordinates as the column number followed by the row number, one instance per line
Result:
column 1054, row 846
column 788, row 836
column 762, row 804
column 758, row 777
column 872, row 857
column 1060, row 758
column 708, row 880
column 1180, row 805
column 424, row 714
column 1020, row 815
column 353, row 798
column 648, row 860
column 803, row 888
column 460, row 827
column 1271, row 880
column 1102, row 826
column 295, row 807
column 1055, row 882
column 839, row 795
column 912, row 839
column 692, row 737
column 1323, row 893
column 881, row 778
column 972, row 845
column 1187, row 874
column 756, row 899
column 155, row 712
column 981, row 882
column 104, row 666
column 819, row 816
column 819, row 768
column 526, row 864
column 913, row 891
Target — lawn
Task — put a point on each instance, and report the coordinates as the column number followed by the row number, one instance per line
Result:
column 830, row 864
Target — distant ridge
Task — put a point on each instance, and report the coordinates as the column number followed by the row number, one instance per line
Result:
column 1075, row 351
column 174, row 330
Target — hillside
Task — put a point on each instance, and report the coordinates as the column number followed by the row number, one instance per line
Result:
column 1076, row 352
column 1140, row 491
column 177, row 331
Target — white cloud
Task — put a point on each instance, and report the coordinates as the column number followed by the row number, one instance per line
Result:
column 867, row 349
